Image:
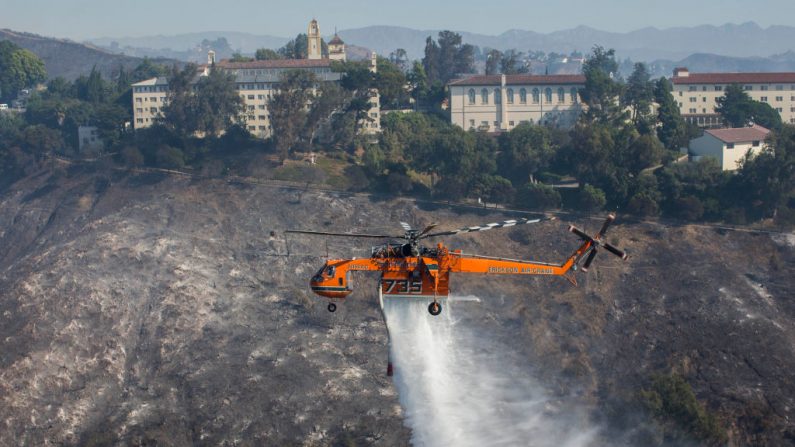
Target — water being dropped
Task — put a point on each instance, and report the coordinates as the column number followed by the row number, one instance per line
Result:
column 458, row 388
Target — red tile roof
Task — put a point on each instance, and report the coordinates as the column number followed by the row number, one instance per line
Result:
column 276, row 63
column 735, row 78
column 519, row 79
column 739, row 134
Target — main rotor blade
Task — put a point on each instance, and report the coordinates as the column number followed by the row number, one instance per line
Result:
column 326, row 233
column 580, row 233
column 428, row 228
column 405, row 226
column 507, row 223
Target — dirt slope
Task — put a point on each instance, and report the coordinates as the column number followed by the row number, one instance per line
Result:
column 147, row 309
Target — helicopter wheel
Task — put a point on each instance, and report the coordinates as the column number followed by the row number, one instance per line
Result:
column 435, row 308
column 332, row 307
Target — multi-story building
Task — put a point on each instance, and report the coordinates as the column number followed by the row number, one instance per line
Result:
column 257, row 82
column 496, row 103
column 149, row 97
column 696, row 93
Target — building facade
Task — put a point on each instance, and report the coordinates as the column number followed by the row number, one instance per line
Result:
column 498, row 103
column 257, row 82
column 696, row 93
column 728, row 146
column 148, row 98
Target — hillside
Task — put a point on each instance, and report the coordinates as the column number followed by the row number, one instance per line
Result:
column 70, row 59
column 146, row 309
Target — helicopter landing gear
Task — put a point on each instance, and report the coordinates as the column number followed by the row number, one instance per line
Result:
column 332, row 307
column 435, row 308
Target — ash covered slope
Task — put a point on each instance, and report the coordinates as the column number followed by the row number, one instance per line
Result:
column 166, row 313
column 160, row 309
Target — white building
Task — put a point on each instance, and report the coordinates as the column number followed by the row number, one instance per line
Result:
column 257, row 81
column 88, row 140
column 728, row 146
column 497, row 103
column 696, row 93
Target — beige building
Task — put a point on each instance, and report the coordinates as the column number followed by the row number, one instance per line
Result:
column 696, row 93
column 149, row 97
column 728, row 146
column 256, row 81
column 497, row 103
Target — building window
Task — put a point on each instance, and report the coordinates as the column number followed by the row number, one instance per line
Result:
column 703, row 88
column 574, row 95
column 509, row 93
column 693, row 111
column 779, row 87
column 548, row 95
column 510, row 123
column 729, row 145
column 763, row 99
column 484, row 124
column 153, row 110
column 523, row 96
column 496, row 124
column 262, row 128
column 153, row 99
column 484, row 96
column 138, row 100
column 261, row 107
column 250, row 108
column 692, row 88
column 779, row 109
column 471, row 96
column 763, row 88
column 471, row 123
column 139, row 120
column 779, row 98
column 561, row 95
column 139, row 110
column 536, row 96
column 262, row 117
column 718, row 88
column 755, row 143
column 748, row 87
column 260, row 97
column 693, row 99
column 497, row 96
column 680, row 93
column 252, row 127
column 704, row 99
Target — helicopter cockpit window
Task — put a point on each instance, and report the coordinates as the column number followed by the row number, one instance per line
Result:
column 330, row 271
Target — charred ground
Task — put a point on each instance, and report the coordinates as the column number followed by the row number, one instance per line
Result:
column 140, row 309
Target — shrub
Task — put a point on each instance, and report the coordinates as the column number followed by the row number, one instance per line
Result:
column 132, row 157
column 642, row 204
column 535, row 196
column 688, row 208
column 169, row 157
column 591, row 198
column 673, row 404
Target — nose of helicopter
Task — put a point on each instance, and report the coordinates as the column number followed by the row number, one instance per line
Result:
column 327, row 285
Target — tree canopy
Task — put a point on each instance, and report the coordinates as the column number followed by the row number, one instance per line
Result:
column 19, row 69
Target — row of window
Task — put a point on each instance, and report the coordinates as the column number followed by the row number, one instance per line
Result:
column 509, row 94
column 274, row 71
column 151, row 88
column 149, row 99
column 718, row 88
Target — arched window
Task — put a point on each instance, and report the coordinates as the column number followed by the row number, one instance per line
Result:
column 548, row 95
column 574, row 95
column 472, row 96
column 510, row 95
column 523, row 96
column 536, row 96
column 484, row 96
column 497, row 96
column 561, row 95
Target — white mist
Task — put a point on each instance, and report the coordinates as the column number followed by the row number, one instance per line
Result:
column 457, row 389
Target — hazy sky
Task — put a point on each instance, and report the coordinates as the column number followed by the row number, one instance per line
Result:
column 82, row 19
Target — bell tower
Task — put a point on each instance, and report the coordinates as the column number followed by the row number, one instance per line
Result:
column 313, row 47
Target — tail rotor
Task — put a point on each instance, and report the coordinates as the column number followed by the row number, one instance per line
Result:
column 596, row 241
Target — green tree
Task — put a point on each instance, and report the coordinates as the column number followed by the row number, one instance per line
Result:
column 493, row 60
column 391, row 84
column 288, row 109
column 237, row 57
column 734, row 106
column 766, row 182
column 93, row 88
column 638, row 96
column 602, row 89
column 266, row 54
column 148, row 70
column 538, row 197
column 524, row 151
column 672, row 130
column 19, row 68
column 179, row 113
column 511, row 63
column 644, row 152
column 400, row 59
column 218, row 103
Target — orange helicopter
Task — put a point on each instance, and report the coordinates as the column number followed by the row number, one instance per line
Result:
column 411, row 270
